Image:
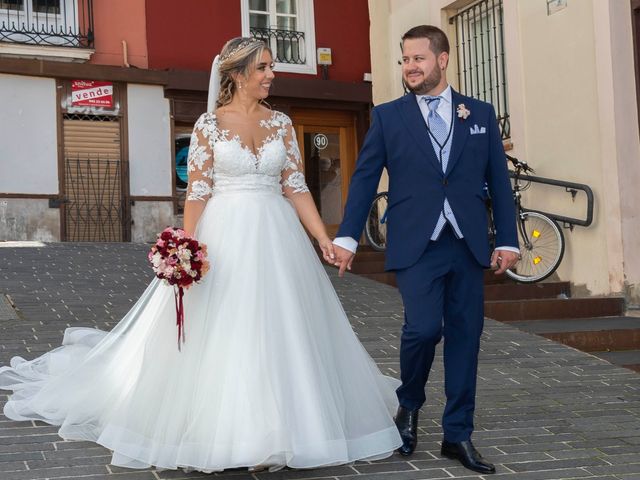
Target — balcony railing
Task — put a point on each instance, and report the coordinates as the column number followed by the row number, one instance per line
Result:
column 287, row 45
column 63, row 23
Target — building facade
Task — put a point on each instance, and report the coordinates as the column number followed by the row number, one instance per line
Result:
column 99, row 98
column 562, row 75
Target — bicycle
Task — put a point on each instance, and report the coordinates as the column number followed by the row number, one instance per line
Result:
column 540, row 239
column 376, row 227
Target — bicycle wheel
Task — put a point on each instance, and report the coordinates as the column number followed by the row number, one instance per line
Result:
column 541, row 246
column 375, row 229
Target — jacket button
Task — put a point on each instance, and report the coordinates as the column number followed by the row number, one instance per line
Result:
column 445, row 182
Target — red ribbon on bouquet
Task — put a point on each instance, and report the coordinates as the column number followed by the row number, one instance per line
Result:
column 178, row 294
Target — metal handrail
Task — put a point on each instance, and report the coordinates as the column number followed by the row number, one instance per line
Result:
column 570, row 187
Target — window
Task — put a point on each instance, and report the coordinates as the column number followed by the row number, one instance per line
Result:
column 279, row 13
column 12, row 4
column 481, row 57
column 287, row 26
column 40, row 6
column 66, row 23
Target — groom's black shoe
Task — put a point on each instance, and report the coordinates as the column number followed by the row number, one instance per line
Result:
column 407, row 423
column 468, row 456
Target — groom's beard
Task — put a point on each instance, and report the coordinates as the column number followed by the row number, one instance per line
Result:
column 429, row 83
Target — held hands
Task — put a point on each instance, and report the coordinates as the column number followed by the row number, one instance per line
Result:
column 502, row 260
column 328, row 252
column 344, row 259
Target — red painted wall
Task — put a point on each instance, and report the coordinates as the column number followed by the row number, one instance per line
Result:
column 190, row 36
column 343, row 26
column 113, row 22
column 189, row 33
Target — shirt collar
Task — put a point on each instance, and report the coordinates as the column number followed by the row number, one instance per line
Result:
column 445, row 95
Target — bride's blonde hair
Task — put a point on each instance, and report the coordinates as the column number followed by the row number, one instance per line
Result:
column 239, row 55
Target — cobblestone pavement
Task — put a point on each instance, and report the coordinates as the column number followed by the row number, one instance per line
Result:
column 545, row 411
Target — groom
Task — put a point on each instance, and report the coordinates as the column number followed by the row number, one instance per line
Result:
column 440, row 150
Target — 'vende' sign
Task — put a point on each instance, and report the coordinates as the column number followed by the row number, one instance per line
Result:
column 91, row 93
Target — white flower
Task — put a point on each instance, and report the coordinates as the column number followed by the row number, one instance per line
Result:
column 463, row 112
column 184, row 254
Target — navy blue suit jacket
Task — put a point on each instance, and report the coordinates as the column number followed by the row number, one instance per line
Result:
column 398, row 140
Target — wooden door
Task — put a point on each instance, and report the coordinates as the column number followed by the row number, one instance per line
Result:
column 327, row 140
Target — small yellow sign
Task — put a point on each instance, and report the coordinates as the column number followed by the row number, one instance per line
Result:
column 324, row 56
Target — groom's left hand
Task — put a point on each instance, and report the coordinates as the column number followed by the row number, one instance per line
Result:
column 503, row 260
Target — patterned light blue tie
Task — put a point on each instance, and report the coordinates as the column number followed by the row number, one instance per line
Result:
column 438, row 128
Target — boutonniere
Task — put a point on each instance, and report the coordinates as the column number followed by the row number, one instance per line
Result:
column 463, row 112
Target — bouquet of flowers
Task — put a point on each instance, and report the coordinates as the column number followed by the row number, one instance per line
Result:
column 179, row 261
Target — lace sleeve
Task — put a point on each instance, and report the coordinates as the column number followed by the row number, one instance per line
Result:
column 200, row 161
column 292, row 177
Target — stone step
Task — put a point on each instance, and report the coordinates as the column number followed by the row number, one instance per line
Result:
column 588, row 334
column 522, row 291
column 490, row 278
column 627, row 358
column 542, row 309
column 371, row 266
column 387, row 278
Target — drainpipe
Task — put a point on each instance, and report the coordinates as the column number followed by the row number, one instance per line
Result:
column 125, row 56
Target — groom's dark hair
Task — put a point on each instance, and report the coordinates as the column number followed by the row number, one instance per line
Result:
column 438, row 41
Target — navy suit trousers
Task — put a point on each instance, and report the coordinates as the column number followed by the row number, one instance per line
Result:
column 443, row 297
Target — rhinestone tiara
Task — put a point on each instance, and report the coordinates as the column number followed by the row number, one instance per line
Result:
column 244, row 44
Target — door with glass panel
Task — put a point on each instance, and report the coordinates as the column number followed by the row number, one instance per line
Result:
column 327, row 145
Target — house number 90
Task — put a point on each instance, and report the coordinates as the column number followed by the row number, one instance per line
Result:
column 321, row 141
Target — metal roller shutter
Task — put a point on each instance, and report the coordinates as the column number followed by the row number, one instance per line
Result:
column 93, row 179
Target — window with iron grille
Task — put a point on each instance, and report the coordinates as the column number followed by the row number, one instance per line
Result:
column 481, row 57
column 67, row 23
column 287, row 26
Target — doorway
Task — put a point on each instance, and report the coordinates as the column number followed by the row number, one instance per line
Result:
column 328, row 147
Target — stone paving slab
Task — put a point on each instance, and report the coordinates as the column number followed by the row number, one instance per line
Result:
column 545, row 411
column 578, row 324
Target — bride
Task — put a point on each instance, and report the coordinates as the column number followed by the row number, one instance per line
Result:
column 271, row 373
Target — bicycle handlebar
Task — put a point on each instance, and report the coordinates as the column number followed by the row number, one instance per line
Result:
column 518, row 165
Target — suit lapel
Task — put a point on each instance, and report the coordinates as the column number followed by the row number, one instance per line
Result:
column 412, row 116
column 460, row 131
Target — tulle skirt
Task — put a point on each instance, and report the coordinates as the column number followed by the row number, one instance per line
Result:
column 271, row 373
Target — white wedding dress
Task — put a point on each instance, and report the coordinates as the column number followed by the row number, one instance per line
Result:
column 271, row 373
